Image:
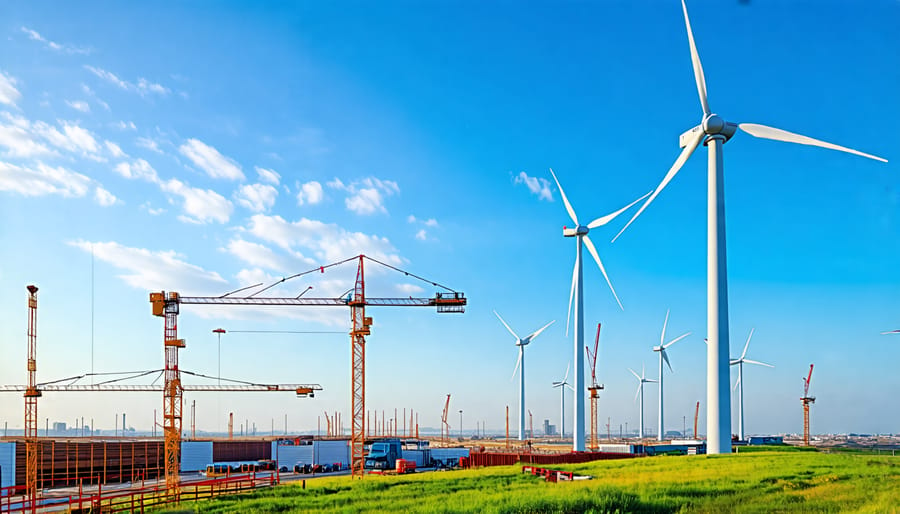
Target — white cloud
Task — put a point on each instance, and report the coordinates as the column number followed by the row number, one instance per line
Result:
column 366, row 196
column 421, row 235
column 16, row 135
column 325, row 242
column 34, row 36
column 149, row 144
column 123, row 125
column 365, row 201
column 335, row 184
column 210, row 160
column 9, row 95
column 41, row 180
column 410, row 219
column 200, row 206
column 143, row 86
column 409, row 289
column 154, row 270
column 256, row 197
column 431, row 222
column 72, row 138
column 104, row 198
column 151, row 210
column 114, row 150
column 310, row 193
column 79, row 105
column 538, row 186
column 137, row 169
column 270, row 176
column 261, row 256
column 23, row 138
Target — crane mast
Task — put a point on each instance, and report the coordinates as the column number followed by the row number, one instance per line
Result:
column 32, row 393
column 807, row 400
column 594, row 388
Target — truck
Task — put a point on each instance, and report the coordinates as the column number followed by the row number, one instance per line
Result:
column 384, row 454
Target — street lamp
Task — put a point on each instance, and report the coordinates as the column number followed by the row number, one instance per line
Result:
column 460, row 423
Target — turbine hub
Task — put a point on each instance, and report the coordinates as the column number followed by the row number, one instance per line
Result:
column 582, row 230
column 714, row 124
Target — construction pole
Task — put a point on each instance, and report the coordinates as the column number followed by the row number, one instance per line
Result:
column 32, row 393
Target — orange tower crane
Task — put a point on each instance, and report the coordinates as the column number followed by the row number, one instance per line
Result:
column 594, row 388
column 32, row 393
column 357, row 301
column 806, row 399
column 445, row 427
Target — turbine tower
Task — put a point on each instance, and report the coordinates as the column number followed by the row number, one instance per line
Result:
column 714, row 131
column 664, row 357
column 562, row 402
column 580, row 233
column 522, row 342
column 640, row 391
column 739, row 385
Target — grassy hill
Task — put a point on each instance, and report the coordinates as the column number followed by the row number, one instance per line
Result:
column 758, row 481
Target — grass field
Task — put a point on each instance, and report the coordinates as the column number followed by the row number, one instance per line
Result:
column 758, row 481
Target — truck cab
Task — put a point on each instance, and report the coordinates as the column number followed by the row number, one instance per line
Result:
column 384, row 454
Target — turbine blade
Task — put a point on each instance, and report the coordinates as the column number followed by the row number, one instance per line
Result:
column 765, row 132
column 562, row 193
column 679, row 338
column 736, row 383
column 536, row 333
column 507, row 326
column 662, row 335
column 590, row 247
column 571, row 295
column 651, row 381
column 695, row 61
column 666, row 358
column 890, row 332
column 748, row 361
column 603, row 220
column 567, row 373
column 639, row 388
column 633, row 372
column 747, row 345
column 679, row 162
column 518, row 361
column 570, row 387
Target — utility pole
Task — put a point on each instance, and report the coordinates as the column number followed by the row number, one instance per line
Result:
column 460, row 422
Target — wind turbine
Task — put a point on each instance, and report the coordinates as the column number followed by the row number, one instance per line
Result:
column 640, row 391
column 714, row 131
column 739, row 385
column 522, row 342
column 664, row 357
column 562, row 401
column 580, row 232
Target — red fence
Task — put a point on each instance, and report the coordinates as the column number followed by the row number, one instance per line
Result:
column 508, row 459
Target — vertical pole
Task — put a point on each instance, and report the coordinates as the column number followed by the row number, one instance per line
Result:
column 741, row 401
column 522, row 394
column 718, row 397
column 641, row 418
column 659, row 428
column 578, row 428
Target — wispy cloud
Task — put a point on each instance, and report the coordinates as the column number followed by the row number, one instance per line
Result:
column 422, row 234
column 310, row 193
column 138, row 169
column 142, row 87
column 9, row 95
column 79, row 105
column 42, row 180
column 104, row 198
column 149, row 144
column 366, row 196
column 114, row 150
column 58, row 47
column 200, row 205
column 210, row 160
column 125, row 125
column 24, row 138
column 269, row 176
column 538, row 186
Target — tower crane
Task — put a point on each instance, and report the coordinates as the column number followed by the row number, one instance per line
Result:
column 32, row 393
column 807, row 400
column 445, row 427
column 167, row 305
column 594, row 388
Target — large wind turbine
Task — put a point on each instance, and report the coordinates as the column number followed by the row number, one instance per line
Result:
column 739, row 385
column 522, row 342
column 580, row 232
column 562, row 401
column 714, row 131
column 663, row 357
column 640, row 391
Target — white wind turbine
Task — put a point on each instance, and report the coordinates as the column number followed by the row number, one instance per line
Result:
column 739, row 385
column 522, row 342
column 562, row 401
column 664, row 357
column 580, row 232
column 640, row 391
column 714, row 131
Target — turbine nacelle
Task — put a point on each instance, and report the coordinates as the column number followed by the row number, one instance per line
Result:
column 712, row 125
column 580, row 230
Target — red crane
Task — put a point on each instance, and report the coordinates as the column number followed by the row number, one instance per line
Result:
column 594, row 388
column 807, row 400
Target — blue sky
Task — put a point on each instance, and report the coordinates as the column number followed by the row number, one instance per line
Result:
column 202, row 147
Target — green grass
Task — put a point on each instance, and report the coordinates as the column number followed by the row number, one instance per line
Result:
column 760, row 481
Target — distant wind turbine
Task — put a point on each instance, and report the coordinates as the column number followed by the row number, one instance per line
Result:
column 664, row 357
column 522, row 342
column 580, row 233
column 739, row 385
column 640, row 391
column 714, row 131
column 562, row 385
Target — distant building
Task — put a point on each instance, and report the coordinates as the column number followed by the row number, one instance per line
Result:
column 766, row 439
column 548, row 428
column 59, row 427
